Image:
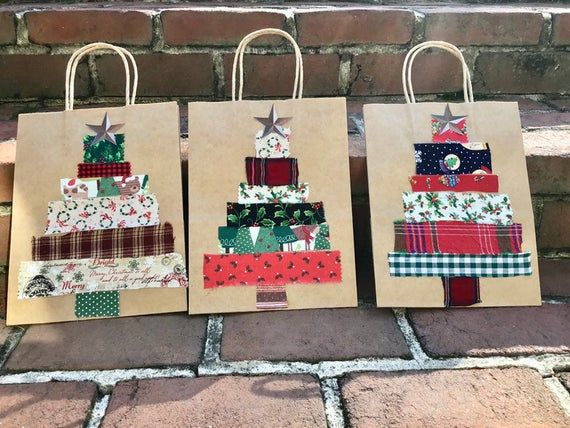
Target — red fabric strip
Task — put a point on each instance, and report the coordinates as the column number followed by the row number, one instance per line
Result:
column 456, row 183
column 303, row 267
column 271, row 171
column 458, row 237
column 105, row 244
column 460, row 291
column 89, row 170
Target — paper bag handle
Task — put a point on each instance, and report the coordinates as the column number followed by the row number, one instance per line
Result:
column 80, row 53
column 298, row 85
column 409, row 60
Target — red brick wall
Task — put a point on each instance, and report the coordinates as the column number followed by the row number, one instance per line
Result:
column 354, row 50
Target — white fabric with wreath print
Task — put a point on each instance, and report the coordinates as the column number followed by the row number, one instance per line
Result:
column 102, row 213
column 480, row 208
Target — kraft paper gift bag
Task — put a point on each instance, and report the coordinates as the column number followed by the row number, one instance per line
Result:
column 451, row 214
column 270, row 222
column 97, row 226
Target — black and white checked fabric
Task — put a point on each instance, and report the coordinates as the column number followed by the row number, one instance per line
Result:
column 441, row 264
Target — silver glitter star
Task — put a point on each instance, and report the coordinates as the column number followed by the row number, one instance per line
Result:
column 449, row 121
column 272, row 123
column 105, row 131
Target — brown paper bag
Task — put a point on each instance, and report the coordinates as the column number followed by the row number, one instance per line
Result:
column 275, row 258
column 391, row 132
column 50, row 147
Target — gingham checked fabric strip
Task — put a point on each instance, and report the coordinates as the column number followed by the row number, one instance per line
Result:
column 271, row 171
column 105, row 244
column 271, row 297
column 457, row 237
column 88, row 170
column 404, row 264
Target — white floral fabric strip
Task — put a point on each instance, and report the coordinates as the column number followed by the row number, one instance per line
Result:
column 61, row 277
column 480, row 208
column 273, row 145
column 288, row 194
column 102, row 213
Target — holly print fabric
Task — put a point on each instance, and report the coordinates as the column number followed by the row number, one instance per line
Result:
column 97, row 304
column 103, row 151
column 480, row 208
column 304, row 267
column 102, row 213
column 452, row 158
column 289, row 194
column 269, row 215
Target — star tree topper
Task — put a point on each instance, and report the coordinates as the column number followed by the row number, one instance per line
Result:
column 449, row 122
column 105, row 131
column 273, row 123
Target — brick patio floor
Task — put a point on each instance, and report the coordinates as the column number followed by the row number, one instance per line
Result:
column 344, row 367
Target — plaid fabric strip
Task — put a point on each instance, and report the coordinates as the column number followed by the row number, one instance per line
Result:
column 271, row 297
column 457, row 237
column 272, row 171
column 105, row 244
column 88, row 170
column 460, row 291
column 473, row 265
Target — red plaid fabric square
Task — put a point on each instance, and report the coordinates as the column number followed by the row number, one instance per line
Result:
column 88, row 170
column 271, row 171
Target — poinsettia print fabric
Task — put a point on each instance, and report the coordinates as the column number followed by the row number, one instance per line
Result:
column 291, row 194
column 452, row 158
column 70, row 276
column 273, row 145
column 305, row 267
column 102, row 213
column 481, row 208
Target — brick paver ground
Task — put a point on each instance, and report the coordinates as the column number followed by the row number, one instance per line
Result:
column 151, row 341
column 494, row 397
column 266, row 401
column 494, row 331
column 46, row 404
column 336, row 334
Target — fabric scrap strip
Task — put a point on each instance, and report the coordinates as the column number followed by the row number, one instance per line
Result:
column 460, row 291
column 457, row 237
column 289, row 194
column 105, row 244
column 271, row 297
column 452, row 158
column 70, row 276
column 474, row 265
column 279, row 238
column 455, row 183
column 97, row 304
column 117, row 169
column 269, row 215
column 271, row 171
column 281, row 268
column 480, row 208
column 103, row 151
column 102, row 213
column 75, row 188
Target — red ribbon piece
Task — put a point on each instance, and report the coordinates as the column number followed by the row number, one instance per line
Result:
column 303, row 267
column 89, row 170
column 455, row 183
column 271, row 171
column 460, row 291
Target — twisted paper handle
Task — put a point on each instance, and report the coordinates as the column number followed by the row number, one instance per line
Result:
column 238, row 58
column 80, row 53
column 409, row 60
